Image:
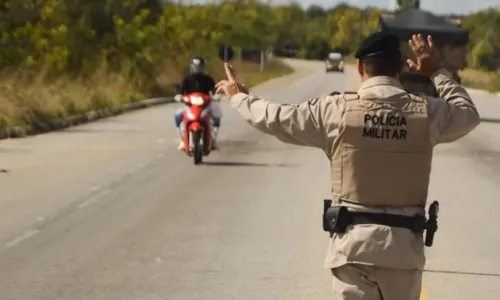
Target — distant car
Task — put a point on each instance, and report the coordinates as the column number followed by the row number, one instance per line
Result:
column 334, row 62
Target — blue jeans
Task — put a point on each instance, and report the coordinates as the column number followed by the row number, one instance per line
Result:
column 178, row 119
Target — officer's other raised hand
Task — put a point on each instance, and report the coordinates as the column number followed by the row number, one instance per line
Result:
column 427, row 56
column 230, row 86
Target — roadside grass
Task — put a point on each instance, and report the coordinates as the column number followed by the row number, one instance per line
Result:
column 478, row 79
column 25, row 100
column 350, row 59
column 251, row 75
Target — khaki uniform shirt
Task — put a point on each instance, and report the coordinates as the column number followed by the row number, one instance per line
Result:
column 315, row 123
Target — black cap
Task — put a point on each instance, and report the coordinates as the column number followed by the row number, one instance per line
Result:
column 378, row 43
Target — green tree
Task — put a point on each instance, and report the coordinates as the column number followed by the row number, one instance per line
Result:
column 315, row 11
column 484, row 45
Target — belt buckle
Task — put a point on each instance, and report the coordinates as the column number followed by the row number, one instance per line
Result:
column 419, row 224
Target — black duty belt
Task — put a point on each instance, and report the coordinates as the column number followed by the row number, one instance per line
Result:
column 415, row 224
column 336, row 219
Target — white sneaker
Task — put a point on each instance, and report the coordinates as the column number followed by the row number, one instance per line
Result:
column 180, row 147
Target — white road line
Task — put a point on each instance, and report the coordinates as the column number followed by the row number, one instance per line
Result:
column 94, row 198
column 21, row 238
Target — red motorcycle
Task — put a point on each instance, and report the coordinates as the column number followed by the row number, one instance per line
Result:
column 197, row 125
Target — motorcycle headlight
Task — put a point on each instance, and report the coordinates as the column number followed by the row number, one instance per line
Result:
column 197, row 101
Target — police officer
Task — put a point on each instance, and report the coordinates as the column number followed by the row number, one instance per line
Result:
column 379, row 142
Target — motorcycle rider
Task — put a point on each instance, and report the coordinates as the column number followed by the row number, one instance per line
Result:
column 199, row 81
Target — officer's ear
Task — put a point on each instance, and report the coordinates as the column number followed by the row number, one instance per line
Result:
column 361, row 71
column 401, row 66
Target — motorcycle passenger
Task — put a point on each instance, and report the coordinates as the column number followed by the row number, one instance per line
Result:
column 199, row 81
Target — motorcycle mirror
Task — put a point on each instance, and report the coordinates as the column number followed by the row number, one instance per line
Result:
column 226, row 53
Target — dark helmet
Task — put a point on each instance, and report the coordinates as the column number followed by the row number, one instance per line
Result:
column 197, row 64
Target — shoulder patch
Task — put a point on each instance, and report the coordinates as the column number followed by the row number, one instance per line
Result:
column 420, row 97
column 350, row 96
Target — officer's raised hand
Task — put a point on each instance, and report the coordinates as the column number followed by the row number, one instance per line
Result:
column 427, row 56
column 230, row 86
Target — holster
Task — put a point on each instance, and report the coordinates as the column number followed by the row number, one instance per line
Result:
column 432, row 226
column 335, row 219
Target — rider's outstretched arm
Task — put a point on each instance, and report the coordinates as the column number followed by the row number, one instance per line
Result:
column 312, row 123
column 213, row 91
column 184, row 85
column 213, row 86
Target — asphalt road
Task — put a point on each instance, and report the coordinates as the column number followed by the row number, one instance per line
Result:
column 111, row 210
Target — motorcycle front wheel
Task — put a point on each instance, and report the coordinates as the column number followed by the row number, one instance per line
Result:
column 197, row 147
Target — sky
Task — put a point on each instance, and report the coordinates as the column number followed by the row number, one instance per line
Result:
column 435, row 6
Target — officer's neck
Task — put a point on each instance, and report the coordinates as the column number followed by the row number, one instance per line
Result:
column 365, row 77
